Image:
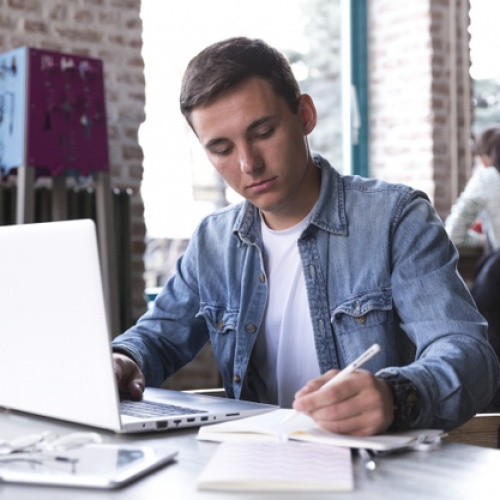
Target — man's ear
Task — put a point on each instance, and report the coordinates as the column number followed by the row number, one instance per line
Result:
column 308, row 113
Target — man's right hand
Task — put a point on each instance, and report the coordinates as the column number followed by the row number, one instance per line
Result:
column 129, row 376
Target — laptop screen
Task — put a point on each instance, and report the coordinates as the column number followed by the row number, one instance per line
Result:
column 56, row 359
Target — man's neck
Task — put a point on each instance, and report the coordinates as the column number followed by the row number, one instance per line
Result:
column 290, row 215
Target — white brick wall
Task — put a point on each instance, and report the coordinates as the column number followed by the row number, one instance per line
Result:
column 419, row 88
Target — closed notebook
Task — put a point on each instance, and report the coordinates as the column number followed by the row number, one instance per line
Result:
column 269, row 427
column 278, row 466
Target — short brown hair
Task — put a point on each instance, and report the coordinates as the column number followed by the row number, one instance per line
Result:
column 488, row 144
column 224, row 65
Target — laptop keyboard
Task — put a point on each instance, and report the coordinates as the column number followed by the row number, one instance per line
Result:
column 153, row 409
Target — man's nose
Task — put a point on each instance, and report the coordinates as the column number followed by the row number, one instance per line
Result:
column 250, row 159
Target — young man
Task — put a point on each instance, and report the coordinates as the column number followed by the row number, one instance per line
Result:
column 311, row 269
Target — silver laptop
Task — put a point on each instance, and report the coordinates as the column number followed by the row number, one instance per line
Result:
column 54, row 339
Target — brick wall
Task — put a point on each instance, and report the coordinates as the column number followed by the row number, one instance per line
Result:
column 110, row 30
column 419, row 88
column 451, row 100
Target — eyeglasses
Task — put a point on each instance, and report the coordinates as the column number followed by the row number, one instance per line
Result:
column 46, row 447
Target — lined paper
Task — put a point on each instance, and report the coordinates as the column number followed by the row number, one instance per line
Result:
column 278, row 466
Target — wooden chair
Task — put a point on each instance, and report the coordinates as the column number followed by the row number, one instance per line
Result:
column 481, row 430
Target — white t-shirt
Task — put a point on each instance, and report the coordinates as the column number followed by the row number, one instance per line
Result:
column 284, row 358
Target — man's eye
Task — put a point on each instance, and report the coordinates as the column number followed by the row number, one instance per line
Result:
column 264, row 134
column 221, row 151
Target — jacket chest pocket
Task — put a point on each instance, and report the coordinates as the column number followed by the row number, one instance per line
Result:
column 222, row 325
column 368, row 315
column 220, row 320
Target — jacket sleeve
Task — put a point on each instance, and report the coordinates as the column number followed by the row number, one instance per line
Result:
column 455, row 370
column 170, row 334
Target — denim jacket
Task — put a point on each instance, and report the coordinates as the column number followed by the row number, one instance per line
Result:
column 378, row 267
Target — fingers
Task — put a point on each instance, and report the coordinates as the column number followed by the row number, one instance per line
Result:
column 135, row 388
column 129, row 376
column 361, row 404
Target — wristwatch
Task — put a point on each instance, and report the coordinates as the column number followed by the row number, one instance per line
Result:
column 407, row 403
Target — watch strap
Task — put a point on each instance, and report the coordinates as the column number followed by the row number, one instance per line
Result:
column 407, row 402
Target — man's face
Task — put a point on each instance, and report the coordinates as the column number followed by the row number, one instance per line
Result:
column 258, row 145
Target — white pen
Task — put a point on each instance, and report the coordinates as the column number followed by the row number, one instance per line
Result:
column 368, row 354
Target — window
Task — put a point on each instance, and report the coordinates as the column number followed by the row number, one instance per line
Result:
column 485, row 39
column 179, row 186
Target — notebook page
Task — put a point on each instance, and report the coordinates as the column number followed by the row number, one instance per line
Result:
column 278, row 466
column 268, row 427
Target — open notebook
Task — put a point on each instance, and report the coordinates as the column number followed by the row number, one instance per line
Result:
column 269, row 427
column 54, row 339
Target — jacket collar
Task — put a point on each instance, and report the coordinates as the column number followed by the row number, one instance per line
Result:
column 328, row 214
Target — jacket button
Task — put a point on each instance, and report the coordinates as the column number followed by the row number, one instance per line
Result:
column 262, row 278
column 236, row 378
column 251, row 328
column 361, row 320
column 220, row 324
